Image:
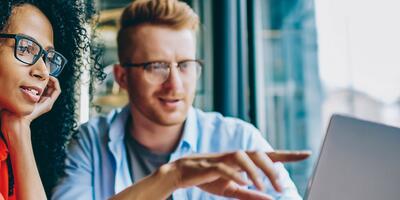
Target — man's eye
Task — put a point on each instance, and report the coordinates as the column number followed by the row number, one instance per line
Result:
column 184, row 65
column 187, row 66
column 158, row 66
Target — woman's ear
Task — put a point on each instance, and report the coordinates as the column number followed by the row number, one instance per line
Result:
column 120, row 75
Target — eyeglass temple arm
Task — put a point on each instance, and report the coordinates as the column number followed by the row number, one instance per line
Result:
column 7, row 35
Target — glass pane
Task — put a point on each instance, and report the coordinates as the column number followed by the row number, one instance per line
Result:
column 359, row 62
column 292, row 89
column 326, row 57
column 109, row 95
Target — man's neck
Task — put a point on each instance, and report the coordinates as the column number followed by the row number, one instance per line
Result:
column 157, row 138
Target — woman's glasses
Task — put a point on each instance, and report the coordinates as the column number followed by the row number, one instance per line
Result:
column 29, row 51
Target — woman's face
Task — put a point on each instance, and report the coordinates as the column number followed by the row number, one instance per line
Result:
column 21, row 85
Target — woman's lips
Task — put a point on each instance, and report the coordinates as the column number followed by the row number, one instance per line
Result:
column 31, row 93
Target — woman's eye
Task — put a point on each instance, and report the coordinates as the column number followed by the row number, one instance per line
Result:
column 22, row 49
column 27, row 49
column 31, row 49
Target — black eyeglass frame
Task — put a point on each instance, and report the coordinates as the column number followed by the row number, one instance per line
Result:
column 42, row 53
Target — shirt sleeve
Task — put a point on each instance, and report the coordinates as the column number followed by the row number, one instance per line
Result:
column 257, row 142
column 77, row 181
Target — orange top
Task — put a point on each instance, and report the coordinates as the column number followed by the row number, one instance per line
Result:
column 4, row 187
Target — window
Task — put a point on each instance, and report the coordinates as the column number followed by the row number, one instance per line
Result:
column 358, row 55
column 317, row 58
column 291, row 91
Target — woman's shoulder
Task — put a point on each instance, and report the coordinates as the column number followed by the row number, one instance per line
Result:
column 3, row 168
column 3, row 150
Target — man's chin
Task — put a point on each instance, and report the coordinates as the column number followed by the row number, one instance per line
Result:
column 171, row 122
column 171, row 119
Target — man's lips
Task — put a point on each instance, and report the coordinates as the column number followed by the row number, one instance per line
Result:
column 170, row 102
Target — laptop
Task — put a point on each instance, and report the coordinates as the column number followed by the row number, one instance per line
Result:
column 359, row 160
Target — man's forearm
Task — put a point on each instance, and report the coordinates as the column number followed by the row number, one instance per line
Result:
column 158, row 185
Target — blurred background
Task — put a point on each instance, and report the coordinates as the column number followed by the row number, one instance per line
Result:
column 284, row 66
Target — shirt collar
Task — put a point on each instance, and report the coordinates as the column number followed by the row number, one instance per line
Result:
column 117, row 128
column 190, row 132
column 189, row 135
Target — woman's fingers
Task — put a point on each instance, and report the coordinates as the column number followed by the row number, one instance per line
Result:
column 47, row 99
column 53, row 88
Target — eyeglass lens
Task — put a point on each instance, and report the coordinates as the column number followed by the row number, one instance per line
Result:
column 29, row 52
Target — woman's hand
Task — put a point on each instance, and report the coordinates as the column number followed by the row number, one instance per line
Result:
column 47, row 99
column 17, row 128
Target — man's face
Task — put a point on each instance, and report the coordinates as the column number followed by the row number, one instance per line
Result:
column 165, row 103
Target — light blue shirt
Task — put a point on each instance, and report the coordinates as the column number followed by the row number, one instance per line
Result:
column 97, row 165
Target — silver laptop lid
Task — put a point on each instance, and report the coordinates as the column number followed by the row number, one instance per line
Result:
column 359, row 160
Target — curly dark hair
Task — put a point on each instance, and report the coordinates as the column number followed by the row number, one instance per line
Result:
column 52, row 131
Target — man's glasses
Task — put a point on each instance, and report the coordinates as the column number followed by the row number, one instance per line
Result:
column 158, row 72
column 29, row 51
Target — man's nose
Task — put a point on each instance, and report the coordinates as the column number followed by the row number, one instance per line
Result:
column 174, row 80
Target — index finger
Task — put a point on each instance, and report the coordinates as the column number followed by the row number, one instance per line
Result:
column 288, row 156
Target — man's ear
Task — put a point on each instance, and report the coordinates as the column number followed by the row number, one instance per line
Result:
column 120, row 75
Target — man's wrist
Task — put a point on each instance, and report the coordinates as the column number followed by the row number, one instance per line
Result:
column 167, row 178
column 159, row 185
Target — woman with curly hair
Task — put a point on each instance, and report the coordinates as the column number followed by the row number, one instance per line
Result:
column 38, row 40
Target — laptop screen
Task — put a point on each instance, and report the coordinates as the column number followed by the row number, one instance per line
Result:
column 359, row 160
